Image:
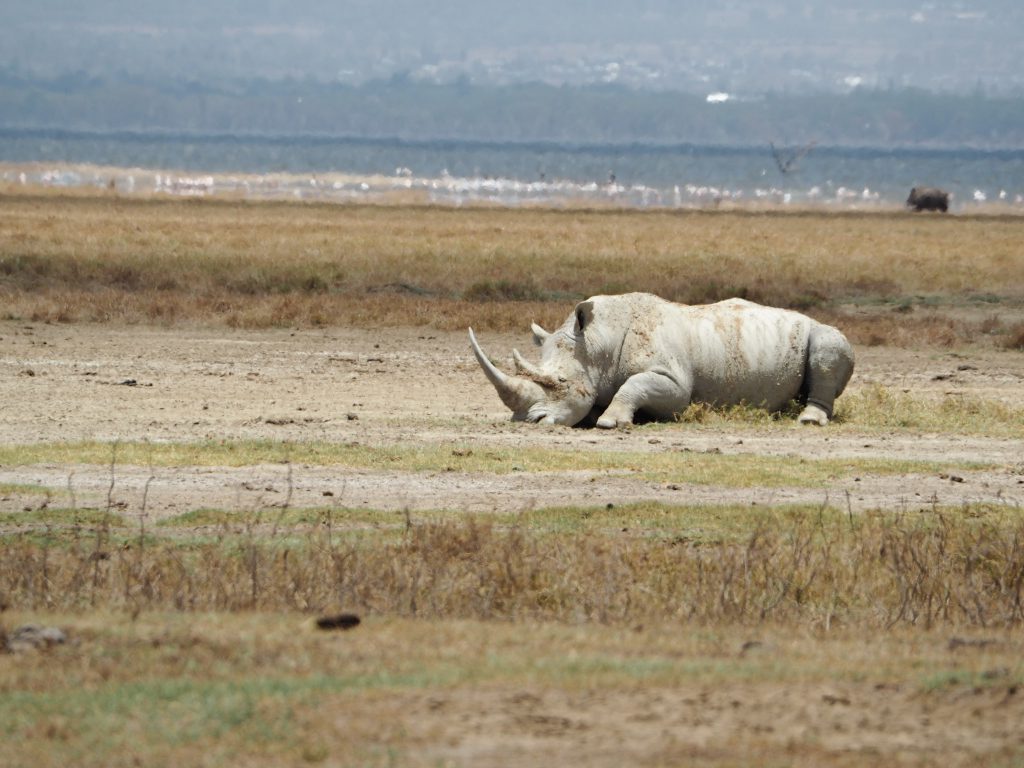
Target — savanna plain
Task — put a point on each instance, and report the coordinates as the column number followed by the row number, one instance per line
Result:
column 223, row 420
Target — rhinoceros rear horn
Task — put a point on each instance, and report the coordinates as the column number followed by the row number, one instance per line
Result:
column 523, row 366
column 515, row 392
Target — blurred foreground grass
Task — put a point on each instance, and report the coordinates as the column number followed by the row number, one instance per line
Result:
column 266, row 689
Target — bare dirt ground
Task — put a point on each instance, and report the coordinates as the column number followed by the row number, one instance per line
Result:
column 731, row 724
column 420, row 386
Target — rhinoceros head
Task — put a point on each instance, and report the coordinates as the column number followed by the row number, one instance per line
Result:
column 558, row 391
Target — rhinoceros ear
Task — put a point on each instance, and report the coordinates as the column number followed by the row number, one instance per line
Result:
column 539, row 334
column 584, row 316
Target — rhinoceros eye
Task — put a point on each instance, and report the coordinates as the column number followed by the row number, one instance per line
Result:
column 562, row 379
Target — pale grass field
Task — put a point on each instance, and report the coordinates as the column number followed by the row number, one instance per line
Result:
column 278, row 264
column 637, row 633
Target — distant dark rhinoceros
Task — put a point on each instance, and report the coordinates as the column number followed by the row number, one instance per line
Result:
column 928, row 199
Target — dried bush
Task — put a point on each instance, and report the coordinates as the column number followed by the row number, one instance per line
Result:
column 1014, row 338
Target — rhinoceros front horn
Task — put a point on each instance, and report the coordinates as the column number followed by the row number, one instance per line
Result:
column 515, row 392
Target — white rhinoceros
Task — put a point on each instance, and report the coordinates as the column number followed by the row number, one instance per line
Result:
column 638, row 352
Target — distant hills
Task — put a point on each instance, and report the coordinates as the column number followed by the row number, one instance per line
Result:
column 746, row 47
column 400, row 107
column 732, row 72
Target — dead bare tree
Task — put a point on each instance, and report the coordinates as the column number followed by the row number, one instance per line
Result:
column 787, row 159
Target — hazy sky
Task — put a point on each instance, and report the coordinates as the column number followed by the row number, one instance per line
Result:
column 738, row 45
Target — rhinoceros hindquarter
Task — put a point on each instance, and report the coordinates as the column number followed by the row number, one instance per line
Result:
column 738, row 352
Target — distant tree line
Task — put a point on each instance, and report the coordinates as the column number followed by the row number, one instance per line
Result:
column 403, row 108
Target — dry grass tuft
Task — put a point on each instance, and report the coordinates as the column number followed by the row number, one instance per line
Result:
column 882, row 407
column 874, row 406
column 1014, row 338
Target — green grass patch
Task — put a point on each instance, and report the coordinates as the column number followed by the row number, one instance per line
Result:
column 340, row 517
column 293, row 516
column 65, row 516
column 28, row 489
column 303, row 530
column 957, row 678
column 181, row 711
column 684, row 523
column 730, row 470
column 877, row 407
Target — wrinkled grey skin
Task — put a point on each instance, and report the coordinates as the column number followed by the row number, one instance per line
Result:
column 637, row 352
column 928, row 199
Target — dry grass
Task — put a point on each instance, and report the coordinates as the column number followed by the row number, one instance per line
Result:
column 1014, row 338
column 799, row 567
column 198, row 648
column 278, row 264
column 875, row 407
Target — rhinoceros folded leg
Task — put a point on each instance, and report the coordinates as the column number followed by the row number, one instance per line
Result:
column 654, row 391
column 829, row 367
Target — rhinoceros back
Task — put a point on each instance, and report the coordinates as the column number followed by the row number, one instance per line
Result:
column 736, row 351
